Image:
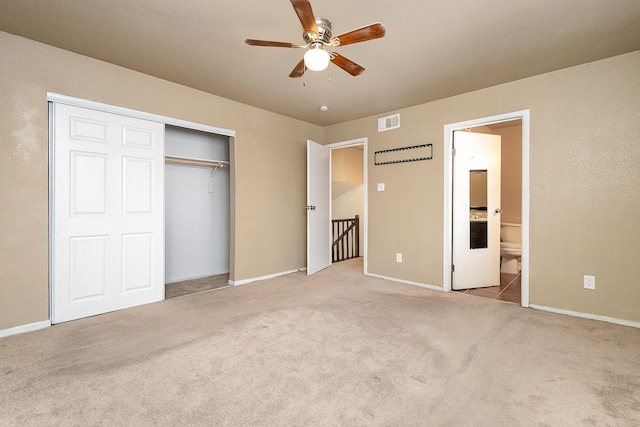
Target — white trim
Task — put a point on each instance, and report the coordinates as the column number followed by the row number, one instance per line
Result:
column 406, row 282
column 257, row 279
column 25, row 328
column 365, row 159
column 92, row 105
column 349, row 143
column 523, row 115
column 586, row 316
column 52, row 193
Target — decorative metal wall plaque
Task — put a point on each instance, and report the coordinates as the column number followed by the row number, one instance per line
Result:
column 404, row 154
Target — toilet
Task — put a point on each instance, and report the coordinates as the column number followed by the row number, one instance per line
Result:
column 510, row 247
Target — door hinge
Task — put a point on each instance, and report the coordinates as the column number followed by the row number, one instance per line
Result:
column 453, row 268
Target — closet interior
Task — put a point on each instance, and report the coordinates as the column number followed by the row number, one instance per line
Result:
column 197, row 205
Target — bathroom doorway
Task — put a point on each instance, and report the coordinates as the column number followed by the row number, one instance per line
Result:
column 513, row 129
column 476, row 211
column 501, row 256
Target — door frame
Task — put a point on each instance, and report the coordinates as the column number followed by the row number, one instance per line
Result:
column 107, row 108
column 523, row 115
column 364, row 141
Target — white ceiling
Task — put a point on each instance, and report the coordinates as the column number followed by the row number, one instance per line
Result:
column 432, row 49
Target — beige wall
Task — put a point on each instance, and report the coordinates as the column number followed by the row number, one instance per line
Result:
column 585, row 185
column 511, row 173
column 346, row 165
column 270, row 161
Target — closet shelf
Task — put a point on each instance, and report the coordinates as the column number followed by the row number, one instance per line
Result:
column 197, row 162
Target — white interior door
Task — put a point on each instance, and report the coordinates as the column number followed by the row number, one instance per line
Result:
column 476, row 210
column 318, row 207
column 108, row 213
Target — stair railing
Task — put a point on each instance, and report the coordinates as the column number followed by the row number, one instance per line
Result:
column 346, row 238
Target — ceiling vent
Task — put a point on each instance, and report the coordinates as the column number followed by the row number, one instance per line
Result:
column 388, row 123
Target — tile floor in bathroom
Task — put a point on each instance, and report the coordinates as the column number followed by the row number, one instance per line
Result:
column 509, row 289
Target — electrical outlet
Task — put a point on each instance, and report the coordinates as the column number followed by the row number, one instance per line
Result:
column 589, row 282
column 398, row 257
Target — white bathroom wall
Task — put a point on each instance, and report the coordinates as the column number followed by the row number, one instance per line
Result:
column 196, row 211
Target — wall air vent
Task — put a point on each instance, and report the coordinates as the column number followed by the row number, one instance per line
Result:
column 389, row 122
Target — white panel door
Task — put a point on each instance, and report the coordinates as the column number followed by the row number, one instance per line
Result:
column 476, row 210
column 108, row 213
column 318, row 207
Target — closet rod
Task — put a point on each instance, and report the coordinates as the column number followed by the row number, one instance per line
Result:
column 194, row 162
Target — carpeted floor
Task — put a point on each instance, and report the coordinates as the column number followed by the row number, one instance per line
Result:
column 337, row 348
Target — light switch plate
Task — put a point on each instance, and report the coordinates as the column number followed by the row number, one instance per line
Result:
column 589, row 282
column 381, row 186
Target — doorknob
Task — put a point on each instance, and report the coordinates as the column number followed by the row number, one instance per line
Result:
column 310, row 208
column 498, row 210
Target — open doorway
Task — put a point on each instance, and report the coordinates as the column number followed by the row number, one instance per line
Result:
column 491, row 268
column 514, row 129
column 349, row 201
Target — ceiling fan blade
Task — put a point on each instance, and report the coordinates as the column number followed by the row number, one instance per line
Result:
column 252, row 42
column 346, row 64
column 298, row 71
column 370, row 32
column 305, row 14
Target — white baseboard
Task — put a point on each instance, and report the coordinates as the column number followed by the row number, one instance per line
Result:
column 406, row 282
column 256, row 279
column 586, row 316
column 25, row 328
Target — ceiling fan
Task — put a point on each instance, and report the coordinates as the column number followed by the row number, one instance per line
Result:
column 317, row 37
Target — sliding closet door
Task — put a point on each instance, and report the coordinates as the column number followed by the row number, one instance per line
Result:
column 108, row 213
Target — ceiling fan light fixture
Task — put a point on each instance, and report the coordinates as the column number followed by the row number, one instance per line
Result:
column 317, row 36
column 316, row 58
